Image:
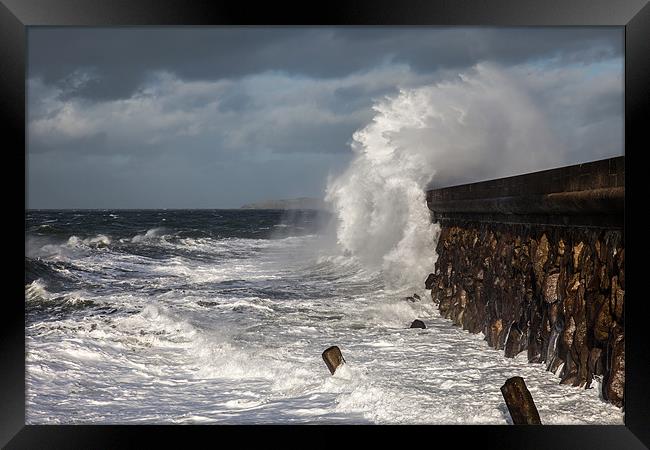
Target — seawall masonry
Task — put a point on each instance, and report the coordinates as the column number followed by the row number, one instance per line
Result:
column 537, row 263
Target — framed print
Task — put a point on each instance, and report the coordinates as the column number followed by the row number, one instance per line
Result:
column 338, row 218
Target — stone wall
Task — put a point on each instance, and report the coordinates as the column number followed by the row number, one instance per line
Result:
column 555, row 292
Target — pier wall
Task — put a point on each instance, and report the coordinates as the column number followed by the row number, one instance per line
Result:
column 536, row 263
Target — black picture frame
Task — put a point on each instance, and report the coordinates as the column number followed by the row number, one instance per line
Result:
column 634, row 15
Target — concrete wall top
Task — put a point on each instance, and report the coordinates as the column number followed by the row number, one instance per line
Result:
column 590, row 190
column 605, row 173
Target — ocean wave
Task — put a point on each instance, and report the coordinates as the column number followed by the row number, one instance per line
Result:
column 151, row 234
column 36, row 293
column 56, row 273
column 36, row 290
column 99, row 241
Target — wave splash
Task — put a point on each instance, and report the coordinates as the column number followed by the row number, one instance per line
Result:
column 483, row 122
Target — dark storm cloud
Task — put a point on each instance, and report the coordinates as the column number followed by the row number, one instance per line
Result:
column 219, row 117
column 124, row 57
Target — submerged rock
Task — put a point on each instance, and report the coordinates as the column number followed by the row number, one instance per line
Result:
column 417, row 324
column 206, row 303
column 413, row 298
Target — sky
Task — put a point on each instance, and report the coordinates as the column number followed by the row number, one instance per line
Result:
column 216, row 117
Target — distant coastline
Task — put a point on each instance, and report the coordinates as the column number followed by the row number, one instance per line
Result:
column 292, row 203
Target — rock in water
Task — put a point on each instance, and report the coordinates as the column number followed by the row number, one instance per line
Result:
column 413, row 298
column 428, row 283
column 333, row 358
column 417, row 324
column 520, row 403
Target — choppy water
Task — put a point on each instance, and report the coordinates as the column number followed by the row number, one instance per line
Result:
column 221, row 317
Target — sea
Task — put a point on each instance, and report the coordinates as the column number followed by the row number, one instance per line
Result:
column 221, row 317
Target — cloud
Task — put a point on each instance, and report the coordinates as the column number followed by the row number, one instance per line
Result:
column 205, row 117
column 125, row 57
column 271, row 111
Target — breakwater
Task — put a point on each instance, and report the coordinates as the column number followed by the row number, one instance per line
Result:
column 537, row 263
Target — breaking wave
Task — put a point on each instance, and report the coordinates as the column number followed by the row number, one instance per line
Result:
column 482, row 122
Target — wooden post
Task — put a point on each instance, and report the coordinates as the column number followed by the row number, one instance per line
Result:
column 333, row 358
column 520, row 403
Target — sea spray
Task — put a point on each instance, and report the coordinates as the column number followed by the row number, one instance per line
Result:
column 482, row 123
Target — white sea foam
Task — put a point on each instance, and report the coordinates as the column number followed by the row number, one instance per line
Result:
column 149, row 235
column 98, row 241
column 262, row 363
column 37, row 290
